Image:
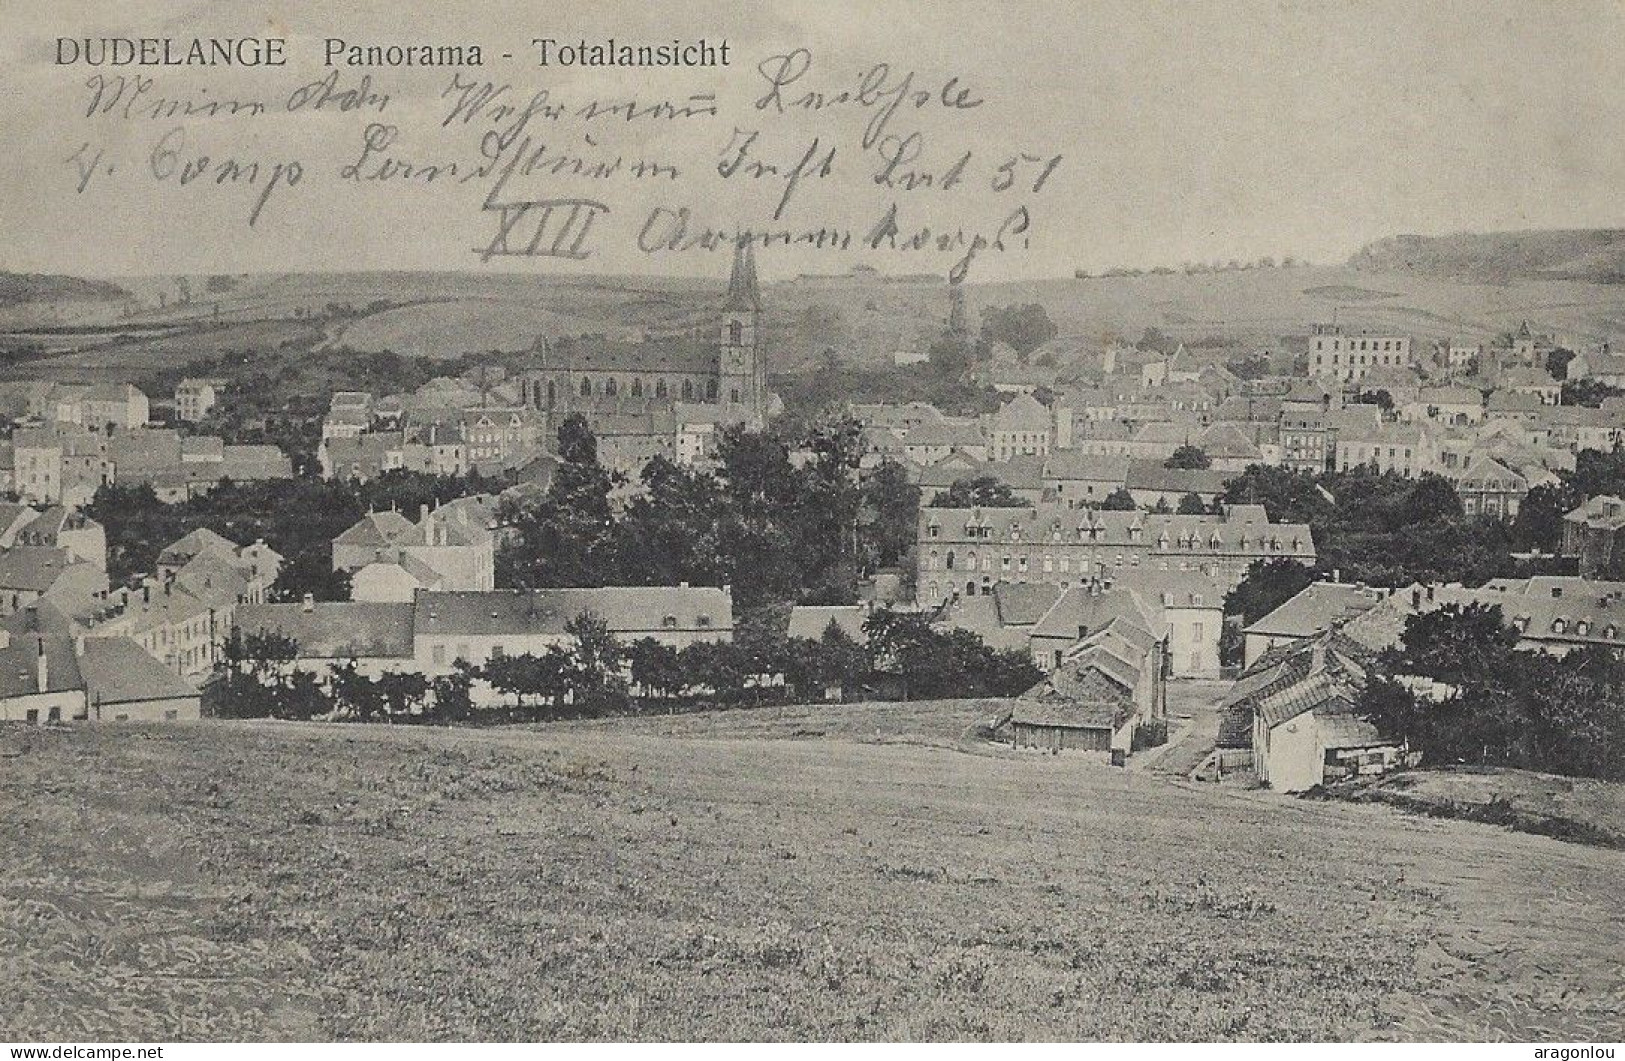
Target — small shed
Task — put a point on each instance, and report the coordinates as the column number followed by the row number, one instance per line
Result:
column 1094, row 714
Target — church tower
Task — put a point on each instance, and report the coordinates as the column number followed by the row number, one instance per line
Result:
column 741, row 367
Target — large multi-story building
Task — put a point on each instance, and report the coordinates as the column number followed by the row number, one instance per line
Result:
column 965, row 551
column 1348, row 354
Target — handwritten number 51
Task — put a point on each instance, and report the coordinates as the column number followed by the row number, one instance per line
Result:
column 1005, row 176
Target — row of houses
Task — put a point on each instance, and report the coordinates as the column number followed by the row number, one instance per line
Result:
column 436, row 631
column 65, row 464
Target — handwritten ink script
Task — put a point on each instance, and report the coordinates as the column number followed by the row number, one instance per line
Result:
column 886, row 161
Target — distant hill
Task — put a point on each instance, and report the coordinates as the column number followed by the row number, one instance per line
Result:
column 1588, row 255
column 18, row 288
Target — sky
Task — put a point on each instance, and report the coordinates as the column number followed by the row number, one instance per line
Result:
column 1187, row 132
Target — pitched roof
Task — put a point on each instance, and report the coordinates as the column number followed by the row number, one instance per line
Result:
column 202, row 540
column 1022, row 413
column 625, row 609
column 1073, row 465
column 116, row 670
column 376, row 529
column 1024, row 603
column 810, row 621
column 335, row 629
column 1317, row 607
column 1151, row 475
column 19, row 665
column 35, row 568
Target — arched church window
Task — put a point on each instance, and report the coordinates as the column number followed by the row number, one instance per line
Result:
column 736, row 333
column 609, row 386
column 586, row 387
column 660, row 388
column 688, row 390
column 711, row 390
column 637, row 388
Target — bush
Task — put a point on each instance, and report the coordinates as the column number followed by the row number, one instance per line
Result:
column 1152, row 734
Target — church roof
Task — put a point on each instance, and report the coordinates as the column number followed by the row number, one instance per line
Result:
column 742, row 294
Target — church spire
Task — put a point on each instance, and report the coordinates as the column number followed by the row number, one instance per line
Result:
column 742, row 281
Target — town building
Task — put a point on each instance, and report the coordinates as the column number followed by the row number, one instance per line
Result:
column 53, row 677
column 196, row 397
column 437, row 631
column 390, row 558
column 1109, row 682
column 965, row 551
column 1349, row 354
column 1592, row 535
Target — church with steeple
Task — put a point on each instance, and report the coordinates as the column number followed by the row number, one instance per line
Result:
column 600, row 377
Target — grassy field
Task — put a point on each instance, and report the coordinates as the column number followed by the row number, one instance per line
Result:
column 1571, row 807
column 848, row 872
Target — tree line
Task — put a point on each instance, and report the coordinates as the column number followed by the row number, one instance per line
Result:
column 592, row 673
column 1500, row 705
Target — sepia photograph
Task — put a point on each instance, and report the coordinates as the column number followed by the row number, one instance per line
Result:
column 819, row 521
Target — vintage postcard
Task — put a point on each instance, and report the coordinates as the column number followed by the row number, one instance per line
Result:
column 812, row 521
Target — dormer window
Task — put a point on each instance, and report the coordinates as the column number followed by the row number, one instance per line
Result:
column 1611, row 632
column 1559, row 625
column 1583, row 628
column 934, row 529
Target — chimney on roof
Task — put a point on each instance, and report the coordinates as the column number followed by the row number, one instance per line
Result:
column 1416, row 597
column 682, row 585
column 727, row 588
column 309, row 603
column 1557, row 591
column 42, row 665
column 1430, row 593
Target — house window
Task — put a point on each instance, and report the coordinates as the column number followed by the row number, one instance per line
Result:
column 703, row 622
column 669, row 622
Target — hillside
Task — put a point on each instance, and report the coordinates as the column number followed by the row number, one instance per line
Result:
column 842, row 872
column 864, row 319
column 1589, row 255
column 17, row 288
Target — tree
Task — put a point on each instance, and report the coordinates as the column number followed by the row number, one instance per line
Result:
column 1188, row 456
column 1557, row 363
column 1539, row 524
column 1589, row 392
column 656, row 667
column 1267, row 585
column 889, row 517
column 598, row 658
column 1380, row 397
column 1453, row 643
column 1191, row 505
column 1024, row 327
column 985, row 491
column 1119, row 500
